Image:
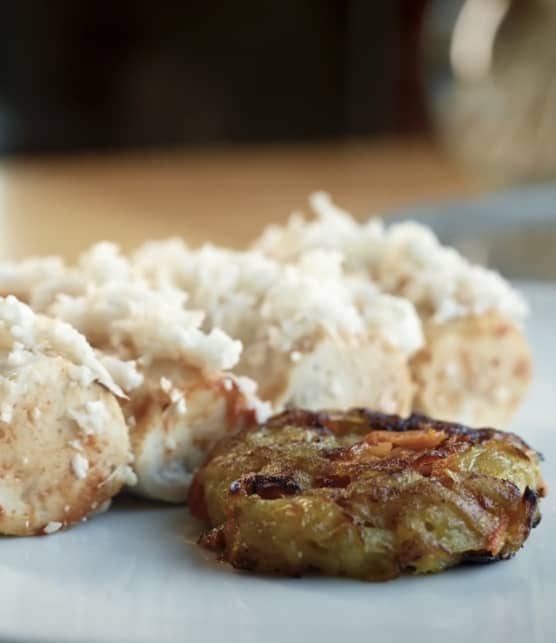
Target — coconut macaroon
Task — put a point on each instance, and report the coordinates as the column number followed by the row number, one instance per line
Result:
column 310, row 337
column 475, row 367
column 182, row 397
column 65, row 448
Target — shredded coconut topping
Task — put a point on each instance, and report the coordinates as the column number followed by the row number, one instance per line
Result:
column 6, row 413
column 228, row 286
column 256, row 299
column 334, row 229
column 393, row 318
column 124, row 373
column 165, row 384
column 101, row 263
column 181, row 406
column 405, row 259
column 22, row 331
column 417, row 266
column 162, row 262
column 19, row 355
column 151, row 324
column 104, row 262
column 309, row 296
column 261, row 302
column 19, row 277
column 130, row 478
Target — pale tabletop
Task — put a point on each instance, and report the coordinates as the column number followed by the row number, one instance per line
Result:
column 60, row 205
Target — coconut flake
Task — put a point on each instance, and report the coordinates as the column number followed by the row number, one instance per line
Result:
column 181, row 406
column 6, row 412
column 124, row 373
column 92, row 417
column 165, row 384
column 52, row 527
column 79, row 466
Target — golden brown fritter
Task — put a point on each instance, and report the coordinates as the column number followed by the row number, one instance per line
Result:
column 367, row 495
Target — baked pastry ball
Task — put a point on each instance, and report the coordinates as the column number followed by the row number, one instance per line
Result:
column 176, row 416
column 475, row 364
column 474, row 370
column 182, row 396
column 328, row 371
column 64, row 444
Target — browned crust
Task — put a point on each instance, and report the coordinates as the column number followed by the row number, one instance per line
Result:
column 364, row 421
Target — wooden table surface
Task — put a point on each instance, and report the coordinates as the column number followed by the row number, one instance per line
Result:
column 60, row 205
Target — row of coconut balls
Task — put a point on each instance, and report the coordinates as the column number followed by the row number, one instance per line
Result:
column 124, row 370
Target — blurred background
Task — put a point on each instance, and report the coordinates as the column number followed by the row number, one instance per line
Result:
column 132, row 119
column 87, row 76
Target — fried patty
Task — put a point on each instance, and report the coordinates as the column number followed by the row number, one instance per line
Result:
column 367, row 495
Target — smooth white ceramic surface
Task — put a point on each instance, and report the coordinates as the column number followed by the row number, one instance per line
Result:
column 130, row 575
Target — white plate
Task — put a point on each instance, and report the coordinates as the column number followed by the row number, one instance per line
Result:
column 130, row 575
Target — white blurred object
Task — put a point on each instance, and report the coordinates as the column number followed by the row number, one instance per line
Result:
column 496, row 108
column 473, row 37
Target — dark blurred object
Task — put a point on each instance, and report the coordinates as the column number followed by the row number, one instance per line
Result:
column 90, row 75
